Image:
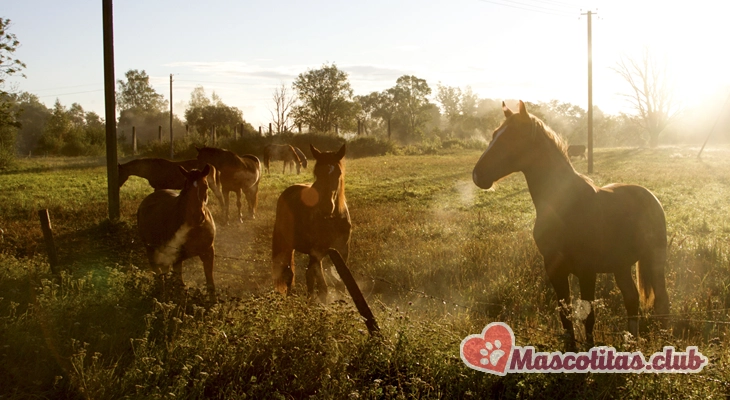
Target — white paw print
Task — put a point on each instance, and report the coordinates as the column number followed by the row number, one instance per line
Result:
column 497, row 353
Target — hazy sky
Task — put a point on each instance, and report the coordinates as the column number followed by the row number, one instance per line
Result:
column 533, row 50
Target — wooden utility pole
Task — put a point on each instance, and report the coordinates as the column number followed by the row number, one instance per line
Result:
column 48, row 237
column 172, row 151
column 590, row 95
column 112, row 170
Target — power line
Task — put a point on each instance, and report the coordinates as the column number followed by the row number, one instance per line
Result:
column 552, row 12
column 66, row 94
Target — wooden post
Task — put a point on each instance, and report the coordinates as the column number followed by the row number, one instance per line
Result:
column 351, row 285
column 134, row 140
column 337, row 130
column 186, row 129
column 269, row 128
column 112, row 166
column 48, row 237
column 388, row 128
column 215, row 137
column 235, row 132
column 299, row 125
column 172, row 150
column 260, row 134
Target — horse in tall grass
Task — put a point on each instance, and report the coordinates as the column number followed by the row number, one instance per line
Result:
column 165, row 174
column 311, row 219
column 581, row 229
column 177, row 226
column 302, row 157
column 238, row 174
column 283, row 152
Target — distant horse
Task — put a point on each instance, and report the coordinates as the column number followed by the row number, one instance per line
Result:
column 175, row 227
column 282, row 152
column 311, row 219
column 237, row 174
column 581, row 229
column 577, row 150
column 165, row 174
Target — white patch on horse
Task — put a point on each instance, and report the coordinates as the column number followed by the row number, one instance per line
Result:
column 168, row 253
column 332, row 169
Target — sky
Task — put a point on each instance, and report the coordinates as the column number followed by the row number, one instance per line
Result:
column 534, row 50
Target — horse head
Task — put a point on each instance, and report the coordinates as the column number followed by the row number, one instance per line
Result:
column 123, row 174
column 329, row 173
column 510, row 149
column 195, row 190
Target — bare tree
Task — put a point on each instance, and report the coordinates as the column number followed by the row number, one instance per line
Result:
column 652, row 92
column 283, row 104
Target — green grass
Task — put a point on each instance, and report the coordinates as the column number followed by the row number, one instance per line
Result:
column 436, row 257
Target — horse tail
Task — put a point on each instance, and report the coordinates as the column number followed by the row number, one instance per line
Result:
column 651, row 265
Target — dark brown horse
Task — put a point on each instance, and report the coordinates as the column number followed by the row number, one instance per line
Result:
column 165, row 174
column 237, row 174
column 311, row 219
column 283, row 152
column 581, row 229
column 175, row 227
column 577, row 150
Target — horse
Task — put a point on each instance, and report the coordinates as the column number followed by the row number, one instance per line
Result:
column 580, row 228
column 311, row 219
column 165, row 174
column 282, row 152
column 237, row 174
column 577, row 150
column 177, row 226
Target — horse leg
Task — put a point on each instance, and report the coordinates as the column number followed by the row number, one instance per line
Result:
column 315, row 275
column 561, row 285
column 588, row 293
column 238, row 203
column 282, row 268
column 252, row 194
column 226, row 201
column 625, row 283
column 208, row 259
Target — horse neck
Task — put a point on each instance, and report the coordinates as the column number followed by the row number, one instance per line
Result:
column 340, row 201
column 553, row 183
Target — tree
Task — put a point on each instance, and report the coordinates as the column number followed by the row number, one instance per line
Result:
column 32, row 116
column 411, row 106
column 326, row 99
column 9, row 66
column 651, row 94
column 136, row 94
column 283, row 103
column 204, row 114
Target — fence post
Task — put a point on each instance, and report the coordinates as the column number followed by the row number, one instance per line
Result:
column 48, row 237
column 159, row 133
column 269, row 128
column 134, row 140
column 351, row 285
column 260, row 134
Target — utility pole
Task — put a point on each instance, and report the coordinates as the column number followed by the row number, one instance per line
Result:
column 590, row 95
column 112, row 169
column 172, row 151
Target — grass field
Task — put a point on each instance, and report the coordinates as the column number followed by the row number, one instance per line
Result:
column 437, row 258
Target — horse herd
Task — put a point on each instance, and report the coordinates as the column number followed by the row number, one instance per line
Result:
column 580, row 228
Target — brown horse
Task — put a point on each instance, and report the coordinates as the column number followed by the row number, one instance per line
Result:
column 237, row 174
column 577, row 150
column 282, row 152
column 311, row 219
column 165, row 174
column 581, row 229
column 175, row 227
column 302, row 157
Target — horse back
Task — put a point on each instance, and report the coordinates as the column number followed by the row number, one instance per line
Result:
column 157, row 218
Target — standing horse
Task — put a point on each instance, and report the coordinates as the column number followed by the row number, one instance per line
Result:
column 581, row 229
column 175, row 227
column 165, row 174
column 311, row 219
column 237, row 174
column 282, row 152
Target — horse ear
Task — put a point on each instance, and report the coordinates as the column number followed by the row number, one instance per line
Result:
column 183, row 171
column 341, row 152
column 523, row 109
column 315, row 153
column 206, row 170
column 507, row 112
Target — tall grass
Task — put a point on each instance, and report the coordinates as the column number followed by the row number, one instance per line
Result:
column 437, row 258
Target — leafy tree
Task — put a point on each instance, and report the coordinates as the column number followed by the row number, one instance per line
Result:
column 412, row 108
column 204, row 114
column 651, row 94
column 137, row 94
column 326, row 99
column 32, row 116
column 9, row 66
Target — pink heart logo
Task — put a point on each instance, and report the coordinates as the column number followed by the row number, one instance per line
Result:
column 491, row 351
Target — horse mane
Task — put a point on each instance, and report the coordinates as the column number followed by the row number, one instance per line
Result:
column 556, row 141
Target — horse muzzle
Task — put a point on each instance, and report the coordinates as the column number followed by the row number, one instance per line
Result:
column 480, row 180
